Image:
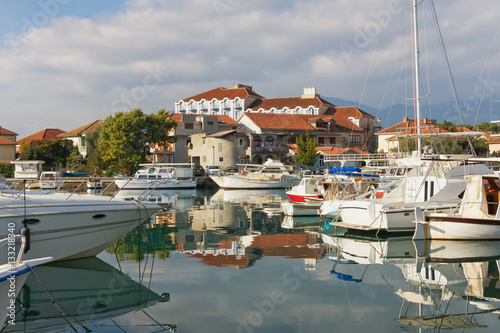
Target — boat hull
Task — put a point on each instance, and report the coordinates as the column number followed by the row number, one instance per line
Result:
column 390, row 218
column 74, row 228
column 460, row 228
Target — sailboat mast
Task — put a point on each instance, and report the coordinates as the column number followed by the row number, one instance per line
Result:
column 417, row 78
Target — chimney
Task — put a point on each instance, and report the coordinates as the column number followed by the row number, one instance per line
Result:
column 309, row 93
column 239, row 85
column 405, row 119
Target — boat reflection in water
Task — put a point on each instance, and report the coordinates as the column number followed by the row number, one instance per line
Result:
column 177, row 198
column 448, row 284
column 87, row 290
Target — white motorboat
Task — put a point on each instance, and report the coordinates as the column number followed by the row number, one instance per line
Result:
column 94, row 183
column 50, row 180
column 309, row 187
column 70, row 226
column 159, row 176
column 477, row 218
column 271, row 174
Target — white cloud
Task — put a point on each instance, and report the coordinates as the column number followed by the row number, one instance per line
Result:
column 70, row 71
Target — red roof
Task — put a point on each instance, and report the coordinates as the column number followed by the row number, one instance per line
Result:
column 83, row 129
column 221, row 93
column 289, row 102
column 348, row 111
column 4, row 131
column 338, row 151
column 4, row 141
column 225, row 119
column 46, row 134
column 298, row 121
column 406, row 123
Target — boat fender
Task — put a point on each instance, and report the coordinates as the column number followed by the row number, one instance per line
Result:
column 26, row 233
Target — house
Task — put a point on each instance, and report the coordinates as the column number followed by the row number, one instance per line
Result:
column 267, row 135
column 7, row 145
column 214, row 149
column 191, row 126
column 266, row 125
column 78, row 135
column 231, row 102
column 388, row 137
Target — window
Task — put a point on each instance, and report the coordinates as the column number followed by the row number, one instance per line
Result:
column 204, row 159
column 210, row 123
column 188, row 126
column 321, row 140
column 241, row 142
column 220, row 146
column 356, row 139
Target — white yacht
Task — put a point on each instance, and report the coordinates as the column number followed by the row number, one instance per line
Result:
column 271, row 174
column 69, row 226
column 159, row 176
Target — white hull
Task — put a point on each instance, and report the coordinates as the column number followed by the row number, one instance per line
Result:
column 241, row 182
column 391, row 218
column 441, row 227
column 79, row 227
column 163, row 184
column 330, row 209
column 12, row 279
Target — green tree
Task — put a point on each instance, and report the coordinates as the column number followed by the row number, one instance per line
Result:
column 55, row 153
column 7, row 170
column 124, row 138
column 307, row 151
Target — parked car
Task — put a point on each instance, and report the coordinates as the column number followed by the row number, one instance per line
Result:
column 198, row 171
column 231, row 169
column 213, row 170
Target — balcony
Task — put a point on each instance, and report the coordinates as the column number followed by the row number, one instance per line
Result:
column 269, row 150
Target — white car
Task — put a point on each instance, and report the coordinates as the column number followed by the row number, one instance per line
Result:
column 213, row 170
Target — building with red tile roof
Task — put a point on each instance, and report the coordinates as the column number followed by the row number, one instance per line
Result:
column 44, row 135
column 268, row 124
column 219, row 101
column 387, row 137
column 7, row 134
column 78, row 135
column 7, row 150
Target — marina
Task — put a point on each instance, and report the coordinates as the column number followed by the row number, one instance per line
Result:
column 220, row 265
column 230, row 211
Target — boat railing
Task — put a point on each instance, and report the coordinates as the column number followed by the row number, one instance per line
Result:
column 9, row 240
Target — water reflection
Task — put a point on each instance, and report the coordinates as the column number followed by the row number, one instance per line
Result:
column 86, row 290
column 447, row 284
column 232, row 263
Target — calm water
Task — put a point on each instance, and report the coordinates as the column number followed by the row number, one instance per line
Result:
column 229, row 262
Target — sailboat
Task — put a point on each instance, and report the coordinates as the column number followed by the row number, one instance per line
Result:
column 432, row 186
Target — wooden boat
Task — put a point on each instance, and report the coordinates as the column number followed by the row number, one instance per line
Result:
column 477, row 217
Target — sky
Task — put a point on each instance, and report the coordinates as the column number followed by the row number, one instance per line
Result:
column 65, row 63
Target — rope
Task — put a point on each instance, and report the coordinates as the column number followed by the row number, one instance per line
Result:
column 56, row 304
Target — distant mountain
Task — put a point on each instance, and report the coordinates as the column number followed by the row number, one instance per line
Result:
column 439, row 112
